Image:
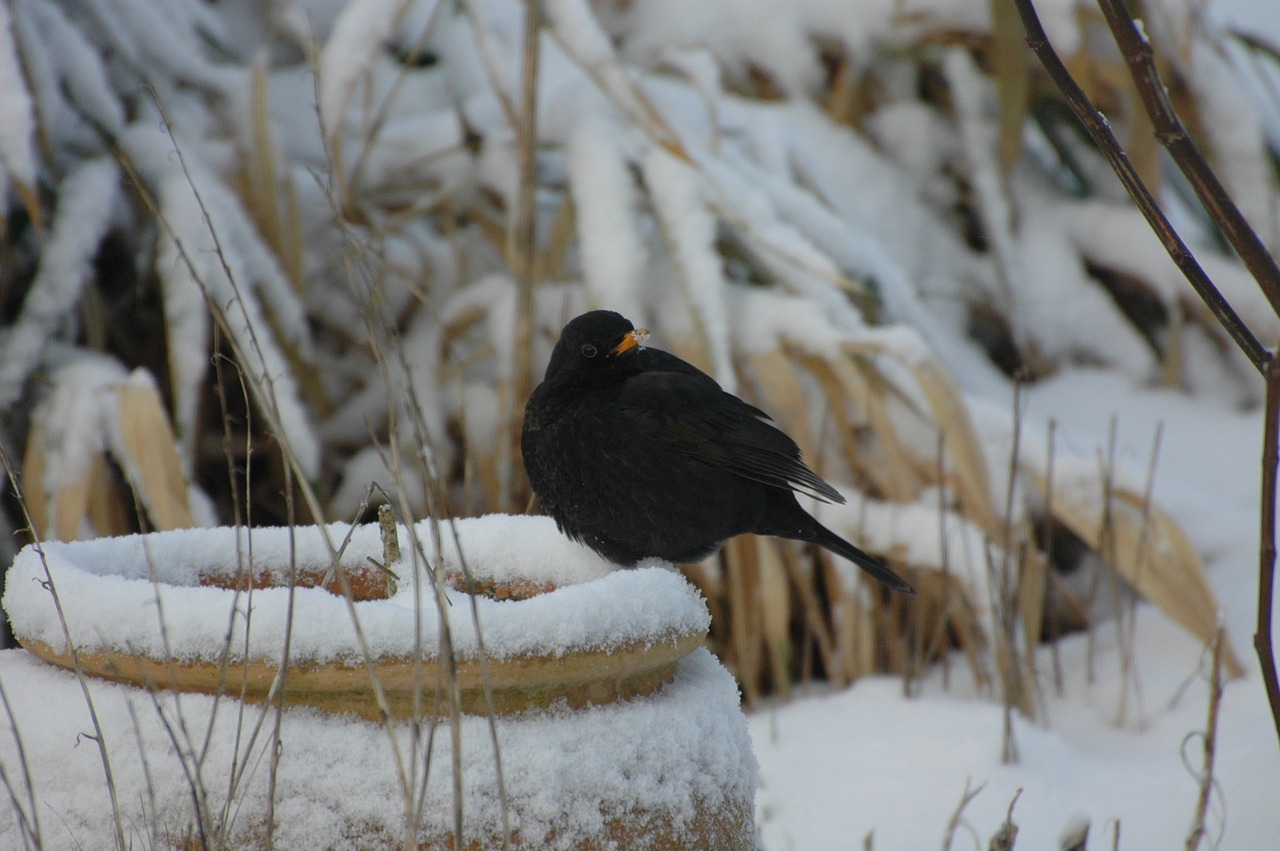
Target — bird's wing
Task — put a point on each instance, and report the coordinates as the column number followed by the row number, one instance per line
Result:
column 687, row 411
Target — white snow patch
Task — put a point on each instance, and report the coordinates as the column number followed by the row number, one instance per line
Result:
column 109, row 598
column 336, row 784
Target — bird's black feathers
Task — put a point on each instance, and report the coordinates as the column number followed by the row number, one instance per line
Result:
column 638, row 454
column 703, row 422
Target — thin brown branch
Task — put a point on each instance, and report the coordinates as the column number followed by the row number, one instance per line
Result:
column 1263, row 360
column 1100, row 131
column 1209, row 740
column 1007, row 834
column 1138, row 55
column 957, row 816
column 1262, row 641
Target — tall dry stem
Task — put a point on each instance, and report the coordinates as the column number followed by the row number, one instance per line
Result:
column 1209, row 742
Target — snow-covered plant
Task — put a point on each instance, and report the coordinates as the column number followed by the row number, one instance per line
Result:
column 867, row 218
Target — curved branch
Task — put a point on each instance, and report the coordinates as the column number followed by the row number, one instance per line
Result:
column 1137, row 53
column 1100, row 131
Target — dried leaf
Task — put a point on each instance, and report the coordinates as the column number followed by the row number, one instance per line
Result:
column 963, row 448
column 899, row 481
column 783, row 397
column 743, row 651
column 55, row 515
column 1011, row 66
column 150, row 453
column 269, row 194
column 109, row 512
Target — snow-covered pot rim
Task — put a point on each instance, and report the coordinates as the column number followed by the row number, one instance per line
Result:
column 137, row 611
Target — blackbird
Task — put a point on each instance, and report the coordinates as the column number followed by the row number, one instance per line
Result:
column 637, row 453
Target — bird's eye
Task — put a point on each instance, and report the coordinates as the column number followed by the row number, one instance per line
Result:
column 589, row 350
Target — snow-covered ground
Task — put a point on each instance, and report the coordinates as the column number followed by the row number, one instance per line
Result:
column 835, row 767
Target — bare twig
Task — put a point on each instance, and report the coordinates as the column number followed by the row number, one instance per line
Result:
column 1054, row 613
column 1127, row 615
column 389, row 348
column 1007, row 833
column 944, row 606
column 1209, row 739
column 390, row 539
column 1137, row 53
column 1262, row 642
column 1263, row 360
column 283, row 673
column 265, row 394
column 1100, row 131
column 1004, row 593
column 957, row 819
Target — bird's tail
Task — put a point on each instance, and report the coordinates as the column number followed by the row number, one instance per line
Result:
column 826, row 538
column 784, row 518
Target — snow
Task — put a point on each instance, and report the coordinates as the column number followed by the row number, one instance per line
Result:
column 1062, row 307
column 833, row 766
column 613, row 251
column 109, row 599
column 829, row 213
column 974, row 98
column 17, row 115
column 578, row 33
column 1117, row 237
column 690, row 230
column 682, row 747
column 336, row 784
column 209, row 245
column 1235, row 137
column 85, row 204
column 770, row 320
column 836, row 766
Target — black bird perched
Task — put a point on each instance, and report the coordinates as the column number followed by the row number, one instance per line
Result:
column 638, row 454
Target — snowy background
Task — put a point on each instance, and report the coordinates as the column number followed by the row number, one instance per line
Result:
column 899, row 766
column 256, row 248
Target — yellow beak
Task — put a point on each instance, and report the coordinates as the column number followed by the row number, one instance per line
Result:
column 634, row 339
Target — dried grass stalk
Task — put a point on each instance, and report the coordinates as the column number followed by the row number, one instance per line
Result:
column 972, row 480
column 853, row 635
column 743, row 652
column 151, row 459
column 55, row 515
column 781, row 394
column 775, row 607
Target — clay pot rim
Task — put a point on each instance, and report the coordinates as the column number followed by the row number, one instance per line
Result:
column 112, row 605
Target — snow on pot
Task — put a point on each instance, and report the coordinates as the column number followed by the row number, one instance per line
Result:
column 572, row 648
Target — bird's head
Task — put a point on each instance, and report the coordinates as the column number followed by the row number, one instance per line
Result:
column 595, row 344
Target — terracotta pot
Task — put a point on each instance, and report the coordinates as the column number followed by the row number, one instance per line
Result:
column 155, row 611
